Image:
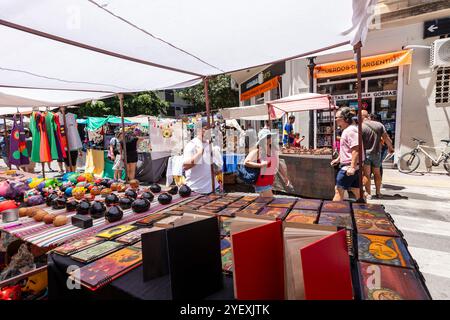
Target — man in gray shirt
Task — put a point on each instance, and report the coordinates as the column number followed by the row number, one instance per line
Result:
column 372, row 133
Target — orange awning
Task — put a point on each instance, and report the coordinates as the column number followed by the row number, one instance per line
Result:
column 371, row 63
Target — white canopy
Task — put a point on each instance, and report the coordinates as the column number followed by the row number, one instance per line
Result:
column 254, row 112
column 127, row 46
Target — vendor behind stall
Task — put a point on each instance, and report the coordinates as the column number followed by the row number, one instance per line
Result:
column 288, row 132
column 197, row 164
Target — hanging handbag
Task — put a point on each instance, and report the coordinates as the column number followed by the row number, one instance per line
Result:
column 248, row 175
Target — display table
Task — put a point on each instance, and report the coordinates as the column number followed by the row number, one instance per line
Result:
column 311, row 176
column 128, row 286
column 46, row 235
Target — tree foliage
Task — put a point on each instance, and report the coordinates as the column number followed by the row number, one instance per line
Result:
column 136, row 104
column 220, row 94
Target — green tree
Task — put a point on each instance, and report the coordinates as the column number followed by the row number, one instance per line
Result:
column 220, row 94
column 133, row 104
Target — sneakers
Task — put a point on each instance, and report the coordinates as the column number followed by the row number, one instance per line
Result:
column 378, row 196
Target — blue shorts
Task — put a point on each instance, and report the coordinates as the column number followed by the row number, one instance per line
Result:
column 373, row 160
column 346, row 182
column 260, row 189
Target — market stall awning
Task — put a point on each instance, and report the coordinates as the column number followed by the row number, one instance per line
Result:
column 28, row 98
column 94, row 123
column 254, row 112
column 128, row 46
column 300, row 102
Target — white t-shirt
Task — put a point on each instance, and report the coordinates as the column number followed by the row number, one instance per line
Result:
column 198, row 178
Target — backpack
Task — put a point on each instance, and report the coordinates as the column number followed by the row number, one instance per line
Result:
column 248, row 175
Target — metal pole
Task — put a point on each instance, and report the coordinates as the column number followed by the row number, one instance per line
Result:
column 6, row 143
column 311, row 66
column 66, row 132
column 124, row 153
column 208, row 115
column 357, row 50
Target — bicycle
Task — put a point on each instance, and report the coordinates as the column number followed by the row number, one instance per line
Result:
column 410, row 161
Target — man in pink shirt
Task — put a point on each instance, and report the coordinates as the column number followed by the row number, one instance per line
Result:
column 348, row 175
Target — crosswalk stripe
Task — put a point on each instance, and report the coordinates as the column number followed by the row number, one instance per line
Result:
column 420, row 225
column 432, row 262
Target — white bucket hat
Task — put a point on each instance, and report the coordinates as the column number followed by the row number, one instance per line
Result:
column 263, row 134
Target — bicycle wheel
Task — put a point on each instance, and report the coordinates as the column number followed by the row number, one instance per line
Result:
column 447, row 164
column 408, row 162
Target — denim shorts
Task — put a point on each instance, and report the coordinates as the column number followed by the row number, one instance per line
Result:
column 260, row 189
column 346, row 182
column 373, row 160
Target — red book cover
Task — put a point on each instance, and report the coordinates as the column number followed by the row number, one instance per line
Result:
column 326, row 269
column 261, row 247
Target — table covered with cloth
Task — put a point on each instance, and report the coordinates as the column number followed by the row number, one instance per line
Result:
column 47, row 235
column 129, row 286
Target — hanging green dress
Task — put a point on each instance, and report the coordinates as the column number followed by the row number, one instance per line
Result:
column 51, row 130
column 36, row 142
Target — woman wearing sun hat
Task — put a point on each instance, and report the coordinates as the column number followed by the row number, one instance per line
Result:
column 265, row 157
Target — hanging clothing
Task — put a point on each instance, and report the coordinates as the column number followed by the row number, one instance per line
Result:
column 95, row 162
column 45, row 152
column 71, row 131
column 60, row 142
column 36, row 143
column 50, row 127
column 18, row 153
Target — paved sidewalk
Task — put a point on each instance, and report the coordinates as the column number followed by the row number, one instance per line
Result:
column 420, row 206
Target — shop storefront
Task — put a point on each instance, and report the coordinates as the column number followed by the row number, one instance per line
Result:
column 380, row 90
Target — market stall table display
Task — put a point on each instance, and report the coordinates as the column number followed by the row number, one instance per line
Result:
column 365, row 253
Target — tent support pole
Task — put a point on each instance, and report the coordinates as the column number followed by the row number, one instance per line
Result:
column 208, row 115
column 311, row 66
column 124, row 153
column 6, row 137
column 357, row 50
column 66, row 132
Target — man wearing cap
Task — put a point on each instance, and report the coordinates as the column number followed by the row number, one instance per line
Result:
column 197, row 161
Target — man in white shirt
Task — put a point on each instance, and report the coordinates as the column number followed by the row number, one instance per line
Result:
column 197, row 161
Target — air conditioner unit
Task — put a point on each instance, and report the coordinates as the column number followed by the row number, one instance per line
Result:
column 440, row 53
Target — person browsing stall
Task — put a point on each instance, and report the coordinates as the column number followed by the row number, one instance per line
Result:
column 197, row 160
column 264, row 157
column 348, row 174
column 288, row 132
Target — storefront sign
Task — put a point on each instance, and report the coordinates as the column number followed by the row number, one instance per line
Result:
column 268, row 73
column 266, row 86
column 434, row 28
column 372, row 63
column 377, row 94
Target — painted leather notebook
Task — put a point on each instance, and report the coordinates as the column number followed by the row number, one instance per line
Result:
column 256, row 206
column 229, row 212
column 249, row 198
column 378, row 226
column 370, row 214
column 151, row 219
column 282, row 202
column 384, row 250
column 336, row 206
column 264, row 200
column 368, row 206
column 337, row 219
column 105, row 270
column 135, row 235
column 138, row 245
column 77, row 245
column 248, row 211
column 276, row 213
column 379, row 282
column 227, row 255
column 114, row 232
column 225, row 223
column 302, row 216
column 96, row 252
column 308, row 204
column 239, row 204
